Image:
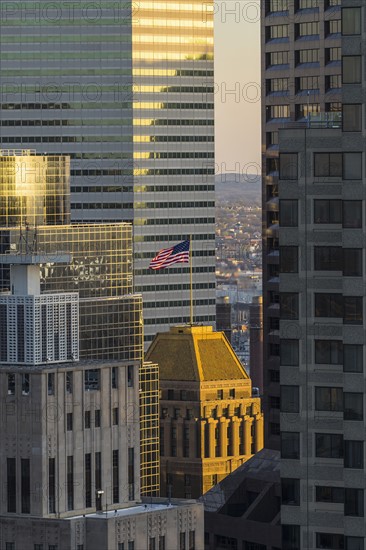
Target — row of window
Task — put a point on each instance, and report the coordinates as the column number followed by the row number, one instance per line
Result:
column 304, row 84
column 92, row 381
column 327, row 445
column 301, row 30
column 326, row 541
column 310, row 55
column 280, row 6
column 326, row 211
column 346, row 166
column 327, row 399
column 352, row 498
column 326, row 352
column 326, row 258
column 302, row 110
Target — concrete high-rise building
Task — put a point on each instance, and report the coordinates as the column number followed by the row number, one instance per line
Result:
column 209, row 422
column 322, row 292
column 301, row 81
column 126, row 90
column 71, row 435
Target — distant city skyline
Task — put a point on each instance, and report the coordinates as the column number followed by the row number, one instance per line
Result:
column 237, row 70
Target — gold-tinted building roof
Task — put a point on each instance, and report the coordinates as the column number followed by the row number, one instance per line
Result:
column 196, row 354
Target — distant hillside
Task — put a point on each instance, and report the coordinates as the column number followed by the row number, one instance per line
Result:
column 230, row 189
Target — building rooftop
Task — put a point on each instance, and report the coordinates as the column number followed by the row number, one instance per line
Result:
column 195, row 353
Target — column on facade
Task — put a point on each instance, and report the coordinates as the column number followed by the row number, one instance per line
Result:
column 235, row 426
column 248, row 420
column 211, row 437
column 202, row 450
column 259, row 435
column 223, row 437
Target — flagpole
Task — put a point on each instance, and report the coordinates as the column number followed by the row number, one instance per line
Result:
column 191, row 277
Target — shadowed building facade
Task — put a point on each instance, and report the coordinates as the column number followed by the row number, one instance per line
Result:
column 209, row 422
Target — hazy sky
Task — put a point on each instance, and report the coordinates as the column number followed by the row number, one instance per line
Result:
column 237, row 68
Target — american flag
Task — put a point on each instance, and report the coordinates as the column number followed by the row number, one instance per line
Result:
column 173, row 255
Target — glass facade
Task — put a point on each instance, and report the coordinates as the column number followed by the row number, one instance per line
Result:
column 149, row 426
column 125, row 89
column 101, row 272
column 35, row 190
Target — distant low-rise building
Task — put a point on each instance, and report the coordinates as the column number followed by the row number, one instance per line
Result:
column 209, row 422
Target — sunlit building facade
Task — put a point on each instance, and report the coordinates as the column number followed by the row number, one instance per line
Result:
column 126, row 90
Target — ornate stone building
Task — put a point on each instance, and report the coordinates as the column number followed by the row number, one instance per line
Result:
column 209, row 422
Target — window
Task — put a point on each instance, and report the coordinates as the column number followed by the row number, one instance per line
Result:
column 232, row 393
column 305, row 110
column 51, row 383
column 328, row 258
column 352, row 262
column 351, row 21
column 310, row 28
column 289, row 261
column 25, row 485
column 352, row 214
column 327, row 211
column 114, row 377
column 69, row 422
column 220, row 394
column 52, row 547
column 307, row 4
column 92, row 379
column 277, row 58
column 352, row 358
column 354, row 543
column 192, row 540
column 328, row 445
column 152, row 543
column 131, row 545
column 10, row 546
column 307, row 83
column 288, row 213
column 277, row 5
column 333, row 82
column 328, row 352
column 289, row 305
column 70, row 482
column 352, row 117
column 290, row 399
column 115, row 415
column 333, row 26
column 290, row 537
column 328, row 399
column 353, row 406
column 130, row 376
column 333, row 54
column 170, row 395
column 278, row 111
column 97, row 418
column 162, row 542
column 352, row 166
column 288, row 166
column 351, row 69
column 276, row 31
column 11, row 485
column 69, row 382
column 276, row 85
column 51, row 485
column 353, row 502
column 328, row 165
column 329, row 541
column 25, row 384
column 353, row 454
column 290, row 445
column 329, row 494
column 11, row 384
column 87, row 419
column 131, row 473
column 353, row 314
column 182, row 541
column 306, row 56
column 290, row 489
column 38, row 547
column 328, row 305
column 289, row 352
column 88, row 480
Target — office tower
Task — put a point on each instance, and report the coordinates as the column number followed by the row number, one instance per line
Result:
column 256, row 343
column 321, row 193
column 209, row 422
column 126, row 90
column 301, row 80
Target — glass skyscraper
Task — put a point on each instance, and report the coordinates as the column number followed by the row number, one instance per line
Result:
column 126, row 90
